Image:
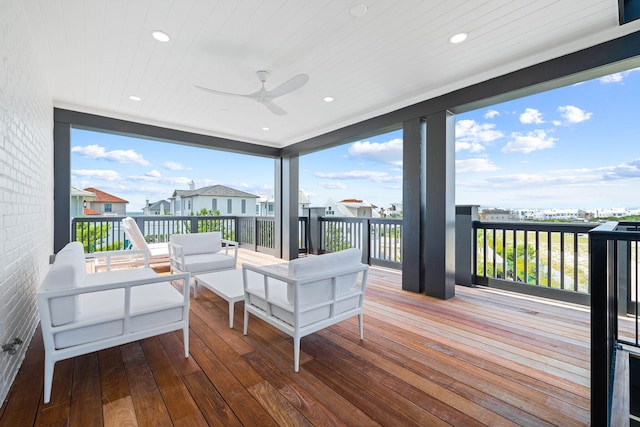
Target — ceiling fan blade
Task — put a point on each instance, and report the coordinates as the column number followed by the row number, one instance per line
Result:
column 273, row 108
column 218, row 92
column 290, row 85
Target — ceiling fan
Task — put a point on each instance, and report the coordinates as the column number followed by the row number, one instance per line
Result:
column 265, row 96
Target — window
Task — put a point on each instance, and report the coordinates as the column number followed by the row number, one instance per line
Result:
column 214, row 205
column 229, row 203
column 108, row 207
column 244, row 206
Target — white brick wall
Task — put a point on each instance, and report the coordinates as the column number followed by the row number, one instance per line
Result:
column 26, row 184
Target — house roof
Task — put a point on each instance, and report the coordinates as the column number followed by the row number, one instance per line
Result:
column 215, row 191
column 76, row 192
column 160, row 203
column 89, row 211
column 103, row 197
column 378, row 59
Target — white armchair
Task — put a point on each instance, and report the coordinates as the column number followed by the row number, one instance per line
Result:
column 199, row 253
column 306, row 295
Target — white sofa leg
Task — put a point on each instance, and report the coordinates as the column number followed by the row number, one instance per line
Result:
column 361, row 325
column 185, row 339
column 48, row 378
column 246, row 322
column 296, row 354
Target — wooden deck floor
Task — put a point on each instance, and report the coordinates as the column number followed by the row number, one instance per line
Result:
column 482, row 358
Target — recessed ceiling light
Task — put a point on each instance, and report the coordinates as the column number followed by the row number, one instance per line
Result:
column 265, row 128
column 160, row 36
column 358, row 10
column 458, row 38
column 135, row 98
column 328, row 99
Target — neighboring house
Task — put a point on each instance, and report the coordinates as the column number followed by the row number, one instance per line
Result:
column 78, row 200
column 266, row 204
column 105, row 204
column 351, row 208
column 228, row 201
column 161, row 207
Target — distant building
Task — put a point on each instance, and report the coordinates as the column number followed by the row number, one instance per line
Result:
column 226, row 200
column 161, row 207
column 351, row 208
column 105, row 204
column 266, row 204
column 79, row 199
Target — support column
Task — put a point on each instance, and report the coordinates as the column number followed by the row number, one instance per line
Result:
column 440, row 218
column 413, row 204
column 286, row 212
column 61, row 185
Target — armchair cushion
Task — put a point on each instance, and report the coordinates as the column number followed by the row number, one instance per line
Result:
column 208, row 262
column 198, row 243
column 314, row 265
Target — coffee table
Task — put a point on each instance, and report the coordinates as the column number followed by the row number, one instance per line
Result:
column 227, row 284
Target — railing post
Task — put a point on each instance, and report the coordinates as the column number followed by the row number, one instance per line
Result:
column 256, row 224
column 465, row 235
column 313, row 226
column 623, row 264
column 366, row 242
column 603, row 322
column 194, row 224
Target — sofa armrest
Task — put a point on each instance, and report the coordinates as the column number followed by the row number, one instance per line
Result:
column 106, row 257
column 176, row 256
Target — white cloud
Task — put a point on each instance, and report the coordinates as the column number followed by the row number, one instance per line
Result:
column 573, row 114
column 529, row 142
column 369, row 175
column 624, row 171
column 175, row 166
column 154, row 176
column 154, row 173
column 472, row 136
column 491, row 114
column 531, row 116
column 104, row 174
column 617, row 77
column 334, row 185
column 475, row 165
column 120, row 156
column 382, row 152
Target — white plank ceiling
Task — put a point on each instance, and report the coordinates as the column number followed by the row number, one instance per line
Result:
column 99, row 52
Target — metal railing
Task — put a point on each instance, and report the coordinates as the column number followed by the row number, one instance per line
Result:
column 613, row 279
column 380, row 239
column 548, row 256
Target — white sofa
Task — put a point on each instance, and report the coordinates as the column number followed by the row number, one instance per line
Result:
column 81, row 313
column 306, row 295
column 199, row 253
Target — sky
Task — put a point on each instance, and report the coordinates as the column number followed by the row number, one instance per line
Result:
column 572, row 147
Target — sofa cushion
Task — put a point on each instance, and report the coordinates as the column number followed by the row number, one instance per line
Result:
column 321, row 290
column 147, row 303
column 68, row 271
column 198, row 243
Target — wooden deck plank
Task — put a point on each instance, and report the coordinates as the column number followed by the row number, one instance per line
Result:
column 485, row 357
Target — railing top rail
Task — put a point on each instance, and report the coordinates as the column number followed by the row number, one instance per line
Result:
column 537, row 226
column 614, row 230
column 354, row 220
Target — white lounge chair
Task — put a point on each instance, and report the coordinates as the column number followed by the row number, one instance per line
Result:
column 306, row 295
column 158, row 252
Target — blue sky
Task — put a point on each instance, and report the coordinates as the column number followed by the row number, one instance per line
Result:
column 573, row 147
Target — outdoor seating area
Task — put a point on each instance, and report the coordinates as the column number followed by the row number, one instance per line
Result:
column 485, row 357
